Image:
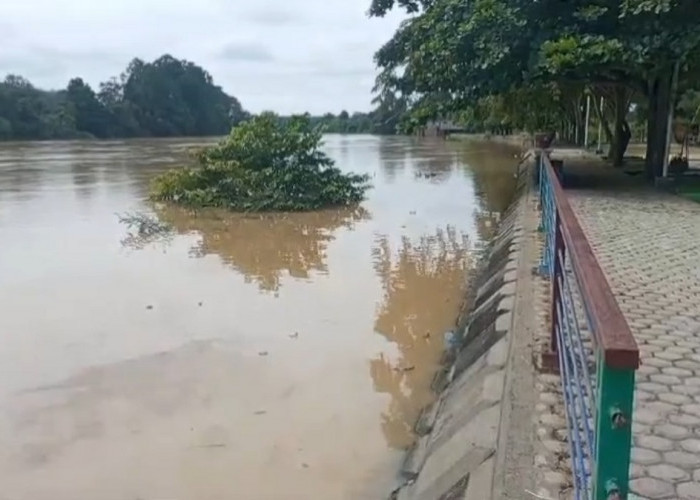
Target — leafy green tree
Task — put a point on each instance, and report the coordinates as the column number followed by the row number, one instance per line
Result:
column 91, row 116
column 168, row 97
column 265, row 164
column 468, row 50
column 174, row 98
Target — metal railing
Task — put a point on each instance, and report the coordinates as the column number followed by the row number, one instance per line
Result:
column 596, row 353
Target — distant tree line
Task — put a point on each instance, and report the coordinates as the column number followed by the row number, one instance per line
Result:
column 383, row 120
column 165, row 98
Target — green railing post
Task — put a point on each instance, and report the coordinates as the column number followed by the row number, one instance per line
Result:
column 613, row 431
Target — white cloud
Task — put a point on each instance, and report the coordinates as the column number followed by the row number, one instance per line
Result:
column 313, row 55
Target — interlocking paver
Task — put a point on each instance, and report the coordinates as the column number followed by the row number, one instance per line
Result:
column 682, row 459
column 672, row 431
column 647, row 245
column 689, row 491
column 645, row 457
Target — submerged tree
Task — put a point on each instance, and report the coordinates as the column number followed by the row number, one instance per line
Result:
column 263, row 165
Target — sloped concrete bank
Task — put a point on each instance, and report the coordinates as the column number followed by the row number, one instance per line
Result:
column 460, row 452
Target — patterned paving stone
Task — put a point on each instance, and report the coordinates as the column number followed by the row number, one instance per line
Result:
column 661, row 408
column 653, row 442
column 689, row 491
column 646, row 243
column 675, row 399
column 645, row 457
column 678, row 372
column 681, row 459
column 665, row 379
column 672, row 431
column 688, row 421
column 686, row 389
column 657, row 362
column 667, row 472
column 691, row 445
column 648, row 417
column 651, row 487
column 692, row 409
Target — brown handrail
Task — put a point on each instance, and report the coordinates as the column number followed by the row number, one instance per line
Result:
column 610, row 329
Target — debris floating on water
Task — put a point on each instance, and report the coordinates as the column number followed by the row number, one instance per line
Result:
column 149, row 307
column 451, row 340
column 405, row 368
column 262, row 353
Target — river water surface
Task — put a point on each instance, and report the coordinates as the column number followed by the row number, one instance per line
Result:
column 239, row 357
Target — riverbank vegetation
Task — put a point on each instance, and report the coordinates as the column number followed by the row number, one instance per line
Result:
column 531, row 65
column 165, row 98
column 265, row 164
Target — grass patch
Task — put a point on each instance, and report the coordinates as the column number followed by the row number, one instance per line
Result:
column 689, row 187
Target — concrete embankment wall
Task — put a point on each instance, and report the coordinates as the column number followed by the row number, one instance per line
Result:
column 457, row 454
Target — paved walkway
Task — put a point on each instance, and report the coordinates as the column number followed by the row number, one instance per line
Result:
column 648, row 244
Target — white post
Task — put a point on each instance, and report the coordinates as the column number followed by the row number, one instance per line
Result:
column 672, row 99
column 588, row 117
column 600, row 126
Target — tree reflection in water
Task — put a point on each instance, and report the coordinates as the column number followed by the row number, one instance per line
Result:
column 264, row 247
column 423, row 286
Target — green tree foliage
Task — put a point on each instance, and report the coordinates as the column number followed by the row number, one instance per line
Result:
column 90, row 115
column 383, row 120
column 168, row 97
column 460, row 52
column 29, row 113
column 265, row 164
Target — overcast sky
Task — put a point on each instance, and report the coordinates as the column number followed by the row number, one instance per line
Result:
column 285, row 55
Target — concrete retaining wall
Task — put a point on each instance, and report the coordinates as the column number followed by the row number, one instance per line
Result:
column 455, row 455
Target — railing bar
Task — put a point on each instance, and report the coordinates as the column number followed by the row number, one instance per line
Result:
column 574, row 443
column 608, row 324
column 580, row 365
column 585, row 352
column 587, row 321
column 589, row 351
column 583, row 406
column 583, row 364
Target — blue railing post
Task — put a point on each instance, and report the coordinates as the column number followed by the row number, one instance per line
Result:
column 548, row 220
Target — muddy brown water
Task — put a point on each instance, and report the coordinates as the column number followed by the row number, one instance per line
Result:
column 241, row 357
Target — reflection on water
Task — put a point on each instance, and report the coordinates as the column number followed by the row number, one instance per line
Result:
column 238, row 347
column 264, row 247
column 423, row 284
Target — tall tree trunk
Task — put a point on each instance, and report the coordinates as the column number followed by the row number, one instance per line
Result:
column 621, row 133
column 605, row 125
column 659, row 96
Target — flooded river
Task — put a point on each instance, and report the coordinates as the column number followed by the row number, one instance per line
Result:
column 239, row 357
